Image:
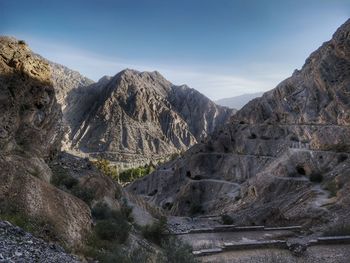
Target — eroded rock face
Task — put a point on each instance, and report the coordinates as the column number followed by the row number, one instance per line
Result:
column 140, row 116
column 277, row 159
column 27, row 102
column 30, row 134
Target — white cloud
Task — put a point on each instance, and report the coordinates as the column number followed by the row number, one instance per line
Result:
column 215, row 83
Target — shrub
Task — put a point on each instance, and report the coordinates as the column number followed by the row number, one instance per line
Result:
column 111, row 224
column 126, row 211
column 195, row 209
column 106, row 229
column 62, row 179
column 101, row 211
column 332, row 188
column 340, row 229
column 118, row 193
column 175, row 251
column 85, row 194
column 111, row 252
column 133, row 174
column 226, row 219
column 113, row 229
column 106, row 168
column 155, row 231
column 316, row 177
column 21, row 42
column 36, row 226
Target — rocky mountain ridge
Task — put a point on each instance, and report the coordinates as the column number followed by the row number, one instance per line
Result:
column 133, row 117
column 283, row 158
column 136, row 117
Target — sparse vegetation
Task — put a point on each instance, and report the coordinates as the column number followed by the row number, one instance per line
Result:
column 114, row 228
column 155, row 231
column 36, row 226
column 316, row 177
column 111, row 230
column 36, row 172
column 195, row 209
column 332, row 188
column 339, row 229
column 176, row 251
column 85, row 194
column 106, row 168
column 63, row 180
column 126, row 176
column 133, row 174
column 226, row 219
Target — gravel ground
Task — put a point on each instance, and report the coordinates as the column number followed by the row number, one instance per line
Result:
column 16, row 245
column 314, row 254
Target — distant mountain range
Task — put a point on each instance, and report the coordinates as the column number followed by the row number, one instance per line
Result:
column 238, row 102
column 135, row 117
column 273, row 163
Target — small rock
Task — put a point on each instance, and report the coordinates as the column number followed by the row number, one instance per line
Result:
column 297, row 249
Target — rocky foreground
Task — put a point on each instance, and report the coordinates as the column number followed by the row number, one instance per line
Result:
column 16, row 245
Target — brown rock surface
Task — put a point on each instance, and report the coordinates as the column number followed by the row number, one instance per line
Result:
column 30, row 134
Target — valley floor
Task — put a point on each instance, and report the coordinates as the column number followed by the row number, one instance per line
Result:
column 319, row 254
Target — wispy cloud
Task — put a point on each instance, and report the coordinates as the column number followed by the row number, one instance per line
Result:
column 215, row 83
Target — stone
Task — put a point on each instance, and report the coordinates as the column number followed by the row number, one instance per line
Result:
column 297, row 248
column 26, row 248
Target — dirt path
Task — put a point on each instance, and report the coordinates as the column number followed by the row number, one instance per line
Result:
column 315, row 254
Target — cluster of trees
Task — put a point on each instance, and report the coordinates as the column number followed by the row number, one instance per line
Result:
column 126, row 176
column 134, row 173
column 106, row 168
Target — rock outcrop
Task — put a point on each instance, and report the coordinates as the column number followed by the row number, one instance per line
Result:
column 283, row 158
column 136, row 117
column 30, row 135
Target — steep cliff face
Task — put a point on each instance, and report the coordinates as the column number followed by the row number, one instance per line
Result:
column 280, row 155
column 30, row 134
column 140, row 116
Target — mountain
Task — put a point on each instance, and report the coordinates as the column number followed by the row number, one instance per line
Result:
column 132, row 118
column 238, row 102
column 282, row 159
column 50, row 193
column 138, row 117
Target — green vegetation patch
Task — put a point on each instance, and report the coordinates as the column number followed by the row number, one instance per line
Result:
column 64, row 181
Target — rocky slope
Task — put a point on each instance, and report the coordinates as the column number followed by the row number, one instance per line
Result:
column 30, row 135
column 136, row 117
column 16, row 245
column 283, row 158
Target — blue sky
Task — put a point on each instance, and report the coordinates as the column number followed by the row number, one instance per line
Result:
column 222, row 48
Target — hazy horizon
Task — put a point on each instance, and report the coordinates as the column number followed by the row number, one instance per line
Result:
column 222, row 49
